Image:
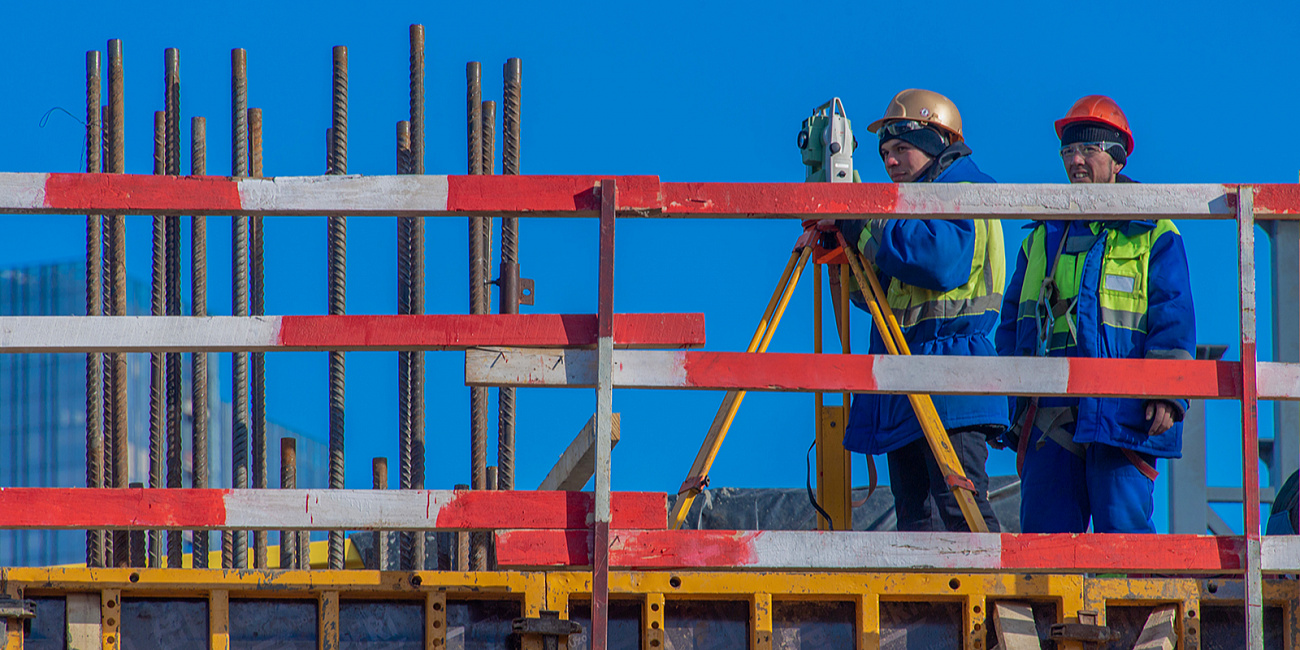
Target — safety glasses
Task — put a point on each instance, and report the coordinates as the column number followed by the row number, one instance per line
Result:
column 899, row 127
column 1086, row 149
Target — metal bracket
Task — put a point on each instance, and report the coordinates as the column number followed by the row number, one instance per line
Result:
column 526, row 291
column 547, row 626
column 693, row 485
column 1086, row 630
column 15, row 608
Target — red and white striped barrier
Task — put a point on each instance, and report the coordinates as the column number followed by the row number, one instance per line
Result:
column 138, row 508
column 889, row 551
column 638, row 196
column 704, row 370
column 379, row 332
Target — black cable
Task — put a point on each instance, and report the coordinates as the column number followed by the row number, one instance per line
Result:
column 812, row 498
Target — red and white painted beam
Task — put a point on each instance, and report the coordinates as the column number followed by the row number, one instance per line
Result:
column 705, row 370
column 883, row 551
column 378, row 332
column 638, row 196
column 138, row 508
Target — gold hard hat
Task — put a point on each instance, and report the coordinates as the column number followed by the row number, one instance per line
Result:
column 922, row 106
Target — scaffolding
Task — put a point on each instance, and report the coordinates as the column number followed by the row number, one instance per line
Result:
column 606, row 558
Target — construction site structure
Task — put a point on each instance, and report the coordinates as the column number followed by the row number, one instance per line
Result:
column 556, row 568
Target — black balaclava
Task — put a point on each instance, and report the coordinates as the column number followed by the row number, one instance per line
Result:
column 1097, row 132
column 927, row 139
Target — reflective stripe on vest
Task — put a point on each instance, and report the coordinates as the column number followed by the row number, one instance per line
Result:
column 1122, row 287
column 981, row 293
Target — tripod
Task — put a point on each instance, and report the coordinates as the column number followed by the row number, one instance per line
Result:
column 892, row 334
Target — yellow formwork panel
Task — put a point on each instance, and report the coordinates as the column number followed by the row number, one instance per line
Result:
column 761, row 591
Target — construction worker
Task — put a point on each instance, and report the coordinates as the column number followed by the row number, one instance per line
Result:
column 1102, row 290
column 944, row 281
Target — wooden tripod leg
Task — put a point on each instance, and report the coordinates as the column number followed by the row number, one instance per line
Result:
column 935, row 433
column 698, row 476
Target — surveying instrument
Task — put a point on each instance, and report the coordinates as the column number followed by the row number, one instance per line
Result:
column 826, row 142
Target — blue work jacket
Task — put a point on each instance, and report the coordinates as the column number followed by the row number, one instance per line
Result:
column 944, row 279
column 1134, row 301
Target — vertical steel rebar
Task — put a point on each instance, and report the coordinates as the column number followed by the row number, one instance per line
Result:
column 157, row 369
column 288, row 481
column 94, row 306
column 257, row 286
column 234, row 551
column 421, row 556
column 106, row 273
column 479, row 297
column 338, row 244
column 115, row 163
column 379, row 468
column 172, row 167
column 199, row 360
column 509, row 270
column 405, row 397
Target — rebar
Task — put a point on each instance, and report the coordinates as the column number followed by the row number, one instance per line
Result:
column 405, row 401
column 106, row 273
column 257, row 286
column 115, row 157
column 337, row 263
column 478, row 295
column 379, row 468
column 157, row 369
column 199, row 360
column 420, row 556
column 289, row 481
column 234, row 551
column 172, row 167
column 508, row 283
column 94, row 306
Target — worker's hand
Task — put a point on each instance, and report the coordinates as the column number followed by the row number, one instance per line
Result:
column 824, row 225
column 1161, row 415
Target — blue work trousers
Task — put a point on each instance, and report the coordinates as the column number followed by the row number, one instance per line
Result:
column 1060, row 491
column 918, row 484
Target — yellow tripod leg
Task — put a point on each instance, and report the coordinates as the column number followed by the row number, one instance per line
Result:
column 731, row 402
column 935, row 433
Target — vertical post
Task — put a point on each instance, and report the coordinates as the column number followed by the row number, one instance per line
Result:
column 509, row 270
column 94, row 306
column 338, row 245
column 115, row 163
column 218, row 619
column 479, row 300
column 1285, row 239
column 419, row 554
column 604, row 417
column 462, row 543
column 234, row 552
column 289, row 481
column 257, row 307
column 106, row 273
column 379, row 468
column 1254, row 596
column 405, row 400
column 199, row 360
column 157, row 369
column 172, row 167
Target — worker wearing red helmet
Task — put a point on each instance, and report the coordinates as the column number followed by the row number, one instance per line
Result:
column 1101, row 290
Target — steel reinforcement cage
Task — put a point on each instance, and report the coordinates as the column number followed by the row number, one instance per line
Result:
column 540, row 537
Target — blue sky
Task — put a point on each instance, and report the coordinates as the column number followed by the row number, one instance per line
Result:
column 699, row 92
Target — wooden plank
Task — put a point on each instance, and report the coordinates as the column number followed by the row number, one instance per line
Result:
column 219, row 619
column 211, row 509
column 432, row 195
column 32, row 334
column 877, row 551
column 706, row 370
column 328, row 620
column 577, row 464
column 1014, row 624
column 82, row 614
column 1159, row 633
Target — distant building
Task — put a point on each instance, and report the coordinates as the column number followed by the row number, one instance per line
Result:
column 43, row 414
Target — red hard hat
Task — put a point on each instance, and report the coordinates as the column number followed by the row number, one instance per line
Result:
column 1098, row 108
